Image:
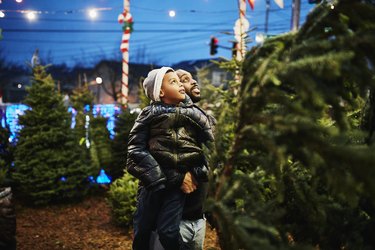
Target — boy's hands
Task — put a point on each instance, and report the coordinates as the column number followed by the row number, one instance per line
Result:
column 189, row 184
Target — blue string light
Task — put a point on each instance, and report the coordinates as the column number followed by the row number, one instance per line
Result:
column 110, row 111
column 103, row 178
column 12, row 113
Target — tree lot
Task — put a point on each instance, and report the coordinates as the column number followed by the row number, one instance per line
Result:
column 293, row 163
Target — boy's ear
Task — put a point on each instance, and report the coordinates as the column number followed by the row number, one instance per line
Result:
column 161, row 94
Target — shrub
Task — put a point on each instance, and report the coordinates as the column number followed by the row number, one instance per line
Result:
column 122, row 199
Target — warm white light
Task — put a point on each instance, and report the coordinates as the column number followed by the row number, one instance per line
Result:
column 93, row 13
column 172, row 13
column 2, row 14
column 19, row 1
column 31, row 15
column 99, row 80
column 260, row 37
column 332, row 7
column 19, row 85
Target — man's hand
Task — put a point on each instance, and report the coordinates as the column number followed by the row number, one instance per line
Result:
column 189, row 184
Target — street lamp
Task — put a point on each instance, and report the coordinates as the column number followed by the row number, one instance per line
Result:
column 260, row 37
column 99, row 80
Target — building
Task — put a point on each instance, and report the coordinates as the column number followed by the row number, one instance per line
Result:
column 13, row 83
column 104, row 80
column 213, row 73
column 109, row 74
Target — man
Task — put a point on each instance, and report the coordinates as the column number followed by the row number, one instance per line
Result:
column 193, row 224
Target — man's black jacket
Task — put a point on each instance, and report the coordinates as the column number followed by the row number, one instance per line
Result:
column 166, row 142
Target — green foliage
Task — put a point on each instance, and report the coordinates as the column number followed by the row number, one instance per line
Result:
column 221, row 104
column 47, row 157
column 122, row 199
column 119, row 145
column 144, row 100
column 82, row 98
column 299, row 166
column 100, row 142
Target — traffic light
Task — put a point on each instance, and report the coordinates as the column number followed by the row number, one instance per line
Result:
column 234, row 49
column 213, row 45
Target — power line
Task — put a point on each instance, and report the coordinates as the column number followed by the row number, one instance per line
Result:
column 113, row 21
column 101, row 31
column 53, row 41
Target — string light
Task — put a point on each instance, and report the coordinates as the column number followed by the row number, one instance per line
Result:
column 54, row 12
column 93, row 13
column 172, row 13
column 19, row 1
column 31, row 15
column 2, row 14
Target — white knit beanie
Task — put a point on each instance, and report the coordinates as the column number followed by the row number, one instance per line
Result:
column 152, row 84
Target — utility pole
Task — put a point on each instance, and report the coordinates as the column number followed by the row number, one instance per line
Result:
column 268, row 5
column 126, row 19
column 296, row 7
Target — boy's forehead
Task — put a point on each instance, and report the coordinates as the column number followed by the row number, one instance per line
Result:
column 170, row 74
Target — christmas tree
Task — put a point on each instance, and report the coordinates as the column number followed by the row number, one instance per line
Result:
column 119, row 145
column 100, row 142
column 82, row 102
column 300, row 161
column 48, row 160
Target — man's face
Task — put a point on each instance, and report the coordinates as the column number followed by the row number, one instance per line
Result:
column 190, row 85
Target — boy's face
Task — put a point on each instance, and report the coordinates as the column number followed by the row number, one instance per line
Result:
column 190, row 85
column 172, row 91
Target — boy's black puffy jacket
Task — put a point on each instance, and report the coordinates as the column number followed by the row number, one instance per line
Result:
column 166, row 142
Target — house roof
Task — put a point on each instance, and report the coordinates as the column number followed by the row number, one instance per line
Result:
column 192, row 65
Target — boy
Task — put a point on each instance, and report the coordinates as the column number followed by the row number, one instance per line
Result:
column 165, row 148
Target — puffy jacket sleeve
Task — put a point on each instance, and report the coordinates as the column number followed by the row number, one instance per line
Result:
column 140, row 163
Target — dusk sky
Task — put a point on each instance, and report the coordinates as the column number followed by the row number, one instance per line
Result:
column 64, row 32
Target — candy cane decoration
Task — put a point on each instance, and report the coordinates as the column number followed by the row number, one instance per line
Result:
column 242, row 28
column 126, row 19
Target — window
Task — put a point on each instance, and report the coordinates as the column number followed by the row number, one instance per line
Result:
column 218, row 78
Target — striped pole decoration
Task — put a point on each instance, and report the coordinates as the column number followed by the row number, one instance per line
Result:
column 241, row 45
column 126, row 19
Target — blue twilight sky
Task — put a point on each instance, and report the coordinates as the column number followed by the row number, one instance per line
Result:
column 64, row 33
